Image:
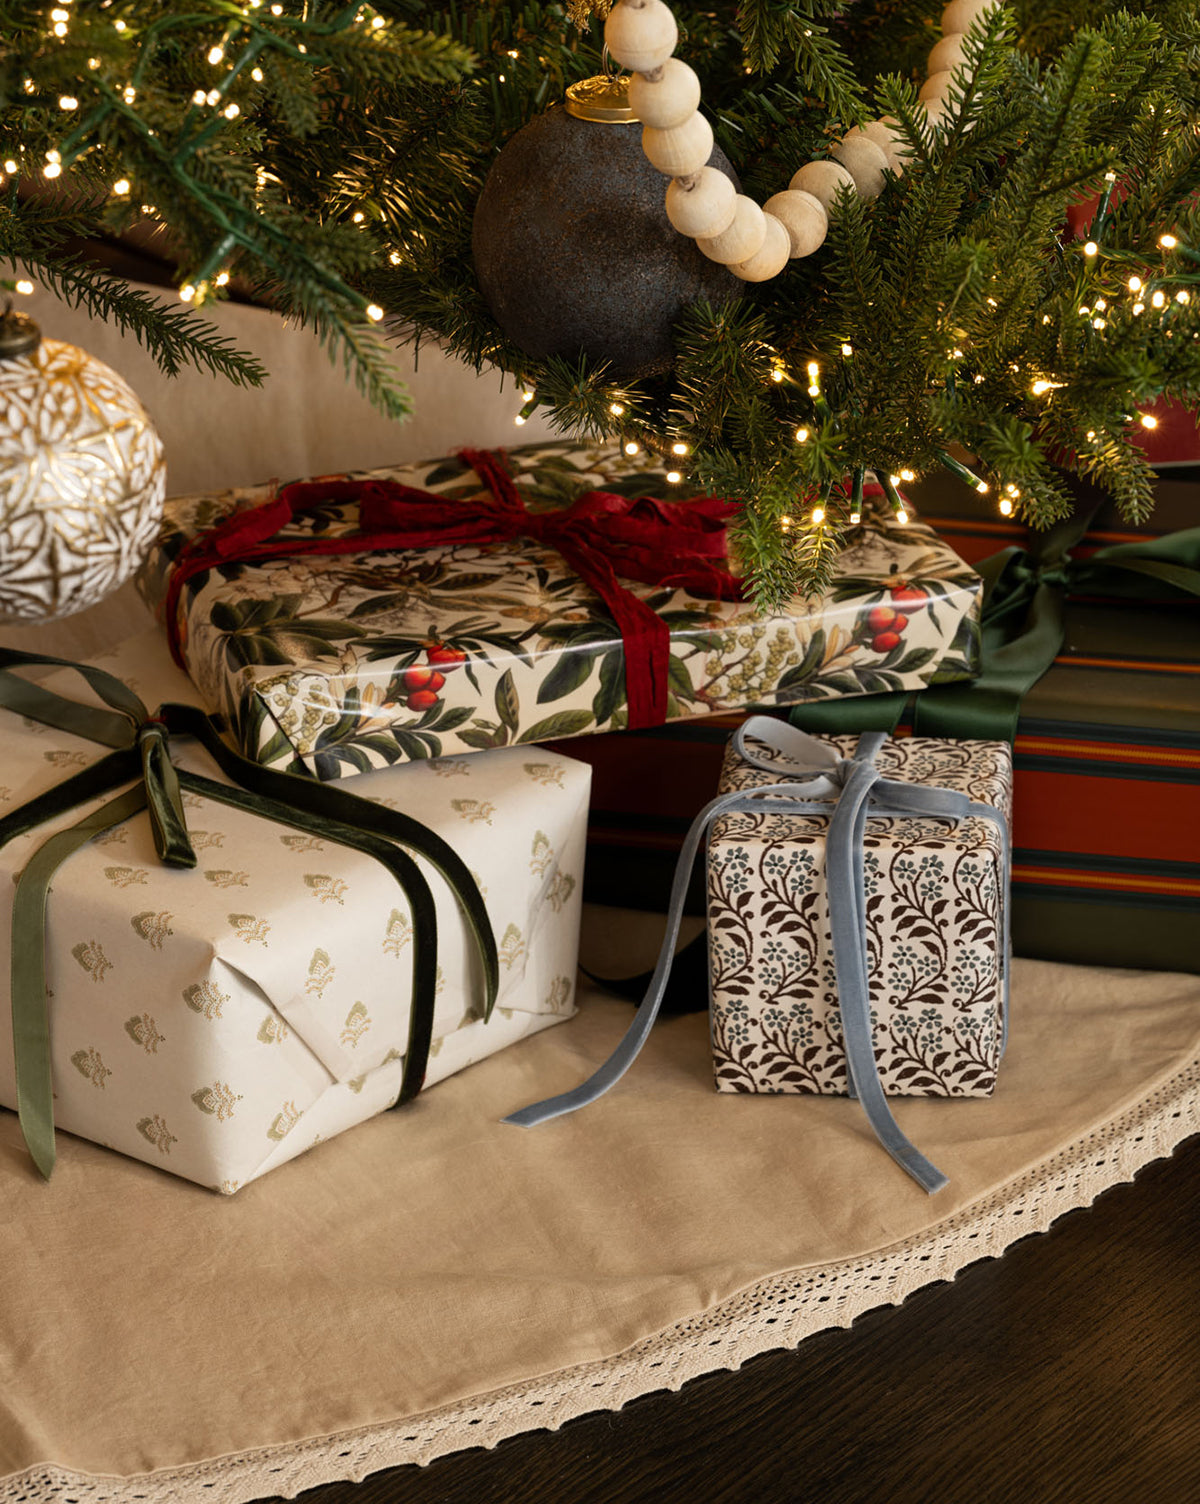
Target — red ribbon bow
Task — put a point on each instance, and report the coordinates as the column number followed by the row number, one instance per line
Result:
column 672, row 544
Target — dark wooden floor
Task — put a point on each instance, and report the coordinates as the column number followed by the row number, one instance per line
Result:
column 1066, row 1372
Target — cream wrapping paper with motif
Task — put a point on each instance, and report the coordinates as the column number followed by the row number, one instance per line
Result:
column 220, row 1021
column 935, row 892
column 336, row 664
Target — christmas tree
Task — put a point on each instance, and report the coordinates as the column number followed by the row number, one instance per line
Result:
column 328, row 159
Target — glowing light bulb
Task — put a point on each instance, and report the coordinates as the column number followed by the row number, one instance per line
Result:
column 631, row 448
column 1138, row 308
column 213, row 96
column 1168, row 242
column 818, row 516
column 67, row 102
column 232, row 111
column 1084, row 312
column 847, row 351
column 1039, row 387
column 187, row 292
column 60, row 28
column 257, row 75
column 814, row 390
column 1148, row 420
column 1159, row 300
column 222, row 279
column 814, row 370
column 895, row 479
column 1006, row 507
column 802, row 436
column 519, row 420
column 777, row 374
column 128, row 93
column 982, row 487
column 358, row 216
column 51, row 170
column 118, row 25
column 785, row 524
column 121, row 187
column 53, row 156
column 678, row 448
column 902, row 516
column 855, row 518
column 1091, row 434
column 616, row 409
column 199, row 97
column 1091, row 248
column 674, row 477
column 907, row 475
column 1099, row 324
column 10, row 166
column 394, row 258
column 374, row 312
column 25, row 286
column 215, row 54
column 377, row 22
column 527, row 395
column 1182, row 296
column 1134, row 284
column 1101, row 304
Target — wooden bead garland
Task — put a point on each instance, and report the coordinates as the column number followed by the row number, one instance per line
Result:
column 756, row 244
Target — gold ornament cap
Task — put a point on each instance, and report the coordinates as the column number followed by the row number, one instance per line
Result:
column 19, row 335
column 603, row 98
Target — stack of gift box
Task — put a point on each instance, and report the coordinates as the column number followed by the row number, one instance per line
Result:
column 416, row 638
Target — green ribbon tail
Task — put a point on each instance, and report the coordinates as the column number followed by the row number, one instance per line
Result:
column 87, row 721
column 30, row 1017
column 168, row 825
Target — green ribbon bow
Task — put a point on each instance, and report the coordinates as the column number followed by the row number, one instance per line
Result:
column 1023, row 623
column 141, row 756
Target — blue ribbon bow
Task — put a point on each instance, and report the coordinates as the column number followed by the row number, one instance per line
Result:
column 847, row 790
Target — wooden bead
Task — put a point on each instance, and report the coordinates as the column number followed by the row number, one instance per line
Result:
column 959, row 14
column 771, row 257
column 641, row 34
column 681, row 150
column 947, row 54
column 744, row 237
column 670, row 100
column 804, row 218
column 890, row 142
column 937, row 85
column 866, row 164
column 824, row 180
column 938, row 111
column 704, row 209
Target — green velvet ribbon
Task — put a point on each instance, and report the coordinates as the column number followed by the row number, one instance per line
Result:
column 141, row 753
column 1023, row 623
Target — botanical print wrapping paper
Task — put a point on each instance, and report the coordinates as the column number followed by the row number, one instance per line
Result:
column 935, row 934
column 346, row 663
column 218, row 1022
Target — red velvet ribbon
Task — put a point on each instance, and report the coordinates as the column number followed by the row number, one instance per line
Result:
column 601, row 536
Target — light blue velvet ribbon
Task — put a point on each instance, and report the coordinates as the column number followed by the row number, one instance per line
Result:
column 846, row 790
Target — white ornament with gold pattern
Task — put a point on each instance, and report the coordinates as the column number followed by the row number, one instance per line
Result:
column 757, row 243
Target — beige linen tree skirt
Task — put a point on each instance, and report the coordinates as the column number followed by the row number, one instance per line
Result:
column 435, row 1279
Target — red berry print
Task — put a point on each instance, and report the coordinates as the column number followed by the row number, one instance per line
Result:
column 422, row 699
column 422, row 679
column 446, row 657
column 908, row 598
column 881, row 619
column 882, row 642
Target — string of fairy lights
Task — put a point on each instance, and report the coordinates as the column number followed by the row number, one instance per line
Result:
column 1126, row 284
column 1148, row 291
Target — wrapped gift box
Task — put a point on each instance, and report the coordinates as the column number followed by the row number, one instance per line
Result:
column 339, row 664
column 936, row 891
column 220, row 1021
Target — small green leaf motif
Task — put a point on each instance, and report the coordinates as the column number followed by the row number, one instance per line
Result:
column 91, row 957
column 88, row 1063
column 558, row 999
column 399, row 933
column 320, row 972
column 562, row 723
column 474, row 810
column 272, row 1030
column 155, row 1131
column 324, row 888
column 358, row 1021
column 284, row 1121
column 511, row 947
column 544, row 773
column 249, row 928
column 560, row 890
column 153, row 927
column 205, row 998
column 541, row 854
column 125, row 877
column 144, row 1031
column 223, row 878
column 297, row 842
column 508, row 706
column 217, row 1099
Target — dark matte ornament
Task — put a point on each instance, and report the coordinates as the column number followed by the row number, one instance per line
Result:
column 574, row 252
